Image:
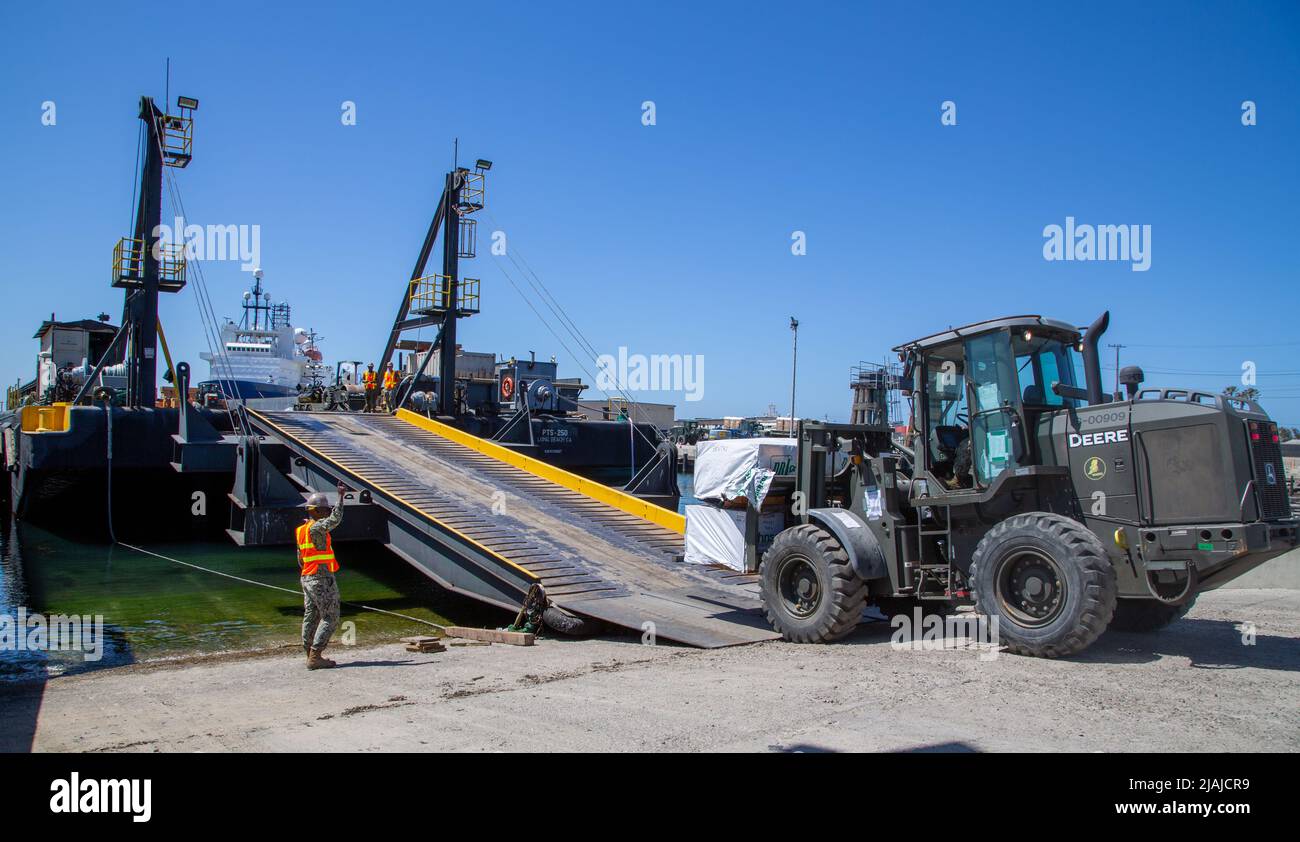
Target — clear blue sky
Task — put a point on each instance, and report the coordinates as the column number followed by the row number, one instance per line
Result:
column 675, row 238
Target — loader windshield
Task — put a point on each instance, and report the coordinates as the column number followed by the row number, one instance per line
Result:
column 995, row 402
column 1042, row 362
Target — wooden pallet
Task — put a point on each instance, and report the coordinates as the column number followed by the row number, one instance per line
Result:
column 424, row 644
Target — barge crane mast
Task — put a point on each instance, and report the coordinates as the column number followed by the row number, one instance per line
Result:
column 441, row 299
column 142, row 265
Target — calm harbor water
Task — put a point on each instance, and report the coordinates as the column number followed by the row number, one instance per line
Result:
column 156, row 609
column 686, row 483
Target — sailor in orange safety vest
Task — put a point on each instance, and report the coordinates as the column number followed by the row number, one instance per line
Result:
column 317, row 566
column 371, row 381
column 390, row 387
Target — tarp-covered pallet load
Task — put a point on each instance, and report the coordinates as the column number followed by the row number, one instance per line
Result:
column 717, row 536
column 730, row 468
column 734, row 480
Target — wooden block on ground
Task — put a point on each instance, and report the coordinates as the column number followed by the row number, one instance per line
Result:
column 493, row 635
column 426, row 646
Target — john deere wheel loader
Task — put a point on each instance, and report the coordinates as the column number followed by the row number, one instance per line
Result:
column 1055, row 508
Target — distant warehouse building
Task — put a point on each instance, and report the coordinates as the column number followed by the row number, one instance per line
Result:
column 662, row 415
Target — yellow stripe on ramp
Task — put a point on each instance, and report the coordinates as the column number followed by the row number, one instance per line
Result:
column 589, row 488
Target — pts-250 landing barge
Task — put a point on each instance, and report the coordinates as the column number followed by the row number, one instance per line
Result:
column 98, row 422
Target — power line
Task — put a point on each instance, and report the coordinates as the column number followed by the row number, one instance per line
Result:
column 566, row 322
column 1230, row 345
column 1226, row 373
column 207, row 313
column 577, row 358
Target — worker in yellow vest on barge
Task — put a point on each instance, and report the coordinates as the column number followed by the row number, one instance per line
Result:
column 317, row 565
column 370, row 379
column 390, row 388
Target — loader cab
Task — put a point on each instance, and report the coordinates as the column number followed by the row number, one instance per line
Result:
column 979, row 391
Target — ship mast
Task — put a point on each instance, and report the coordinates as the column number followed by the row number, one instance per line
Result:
column 257, row 314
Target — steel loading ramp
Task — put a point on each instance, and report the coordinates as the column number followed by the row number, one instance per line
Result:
column 487, row 521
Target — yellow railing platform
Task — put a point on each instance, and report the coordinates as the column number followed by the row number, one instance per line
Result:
column 177, row 140
column 128, row 264
column 432, row 294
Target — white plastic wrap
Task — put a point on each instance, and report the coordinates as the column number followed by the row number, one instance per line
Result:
column 731, row 468
column 717, row 536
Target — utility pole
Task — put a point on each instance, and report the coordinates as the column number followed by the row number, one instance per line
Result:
column 794, row 371
column 1116, row 347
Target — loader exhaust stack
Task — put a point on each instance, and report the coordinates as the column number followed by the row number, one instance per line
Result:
column 1092, row 359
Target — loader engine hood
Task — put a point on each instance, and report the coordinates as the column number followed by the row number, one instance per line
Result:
column 1175, row 456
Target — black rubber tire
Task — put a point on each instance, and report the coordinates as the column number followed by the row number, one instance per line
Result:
column 842, row 595
column 571, row 625
column 1086, row 574
column 1147, row 615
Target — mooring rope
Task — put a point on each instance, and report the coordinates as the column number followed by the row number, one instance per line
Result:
column 113, row 538
column 208, row 329
column 108, row 466
column 274, row 587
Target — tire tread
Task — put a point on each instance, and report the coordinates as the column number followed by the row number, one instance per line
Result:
column 847, row 593
column 1096, row 569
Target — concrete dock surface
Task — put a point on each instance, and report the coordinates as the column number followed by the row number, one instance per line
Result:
column 1204, row 684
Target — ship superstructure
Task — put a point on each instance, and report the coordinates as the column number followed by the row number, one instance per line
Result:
column 263, row 362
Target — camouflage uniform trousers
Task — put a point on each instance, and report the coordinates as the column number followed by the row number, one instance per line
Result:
column 320, row 603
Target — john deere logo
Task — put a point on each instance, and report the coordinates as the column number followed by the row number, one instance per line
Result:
column 1095, row 467
column 1270, row 473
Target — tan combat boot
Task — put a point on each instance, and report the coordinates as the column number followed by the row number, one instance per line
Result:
column 316, row 661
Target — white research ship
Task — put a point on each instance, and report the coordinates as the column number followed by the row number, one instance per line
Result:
column 264, row 361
